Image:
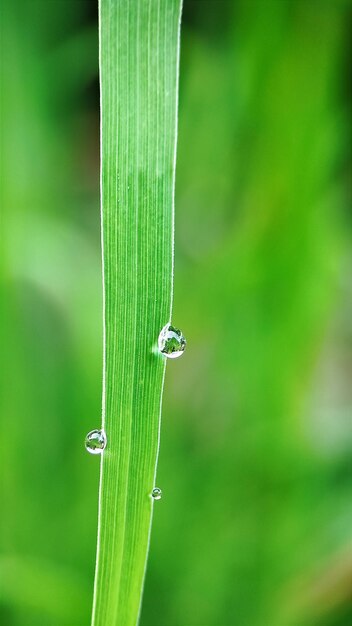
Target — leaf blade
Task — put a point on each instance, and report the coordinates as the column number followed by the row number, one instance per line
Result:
column 139, row 48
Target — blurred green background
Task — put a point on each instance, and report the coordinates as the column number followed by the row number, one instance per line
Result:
column 255, row 525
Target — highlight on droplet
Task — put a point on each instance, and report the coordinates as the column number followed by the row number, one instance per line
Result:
column 96, row 441
column 171, row 342
column 157, row 493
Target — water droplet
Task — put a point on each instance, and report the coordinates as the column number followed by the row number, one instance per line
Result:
column 95, row 441
column 171, row 342
column 157, row 493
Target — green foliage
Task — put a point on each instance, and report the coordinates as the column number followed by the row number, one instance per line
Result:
column 255, row 469
column 139, row 44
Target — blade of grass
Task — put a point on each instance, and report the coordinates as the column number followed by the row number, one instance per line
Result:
column 139, row 50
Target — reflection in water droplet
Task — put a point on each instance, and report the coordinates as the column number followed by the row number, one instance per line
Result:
column 95, row 441
column 157, row 493
column 171, row 342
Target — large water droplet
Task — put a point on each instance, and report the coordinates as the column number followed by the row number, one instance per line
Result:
column 171, row 342
column 95, row 441
column 157, row 493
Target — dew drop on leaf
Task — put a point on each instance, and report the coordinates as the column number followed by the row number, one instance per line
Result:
column 95, row 441
column 157, row 493
column 171, row 342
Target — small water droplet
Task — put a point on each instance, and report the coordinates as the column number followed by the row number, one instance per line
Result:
column 95, row 441
column 171, row 342
column 157, row 493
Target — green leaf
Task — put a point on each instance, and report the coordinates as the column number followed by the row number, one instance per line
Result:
column 139, row 51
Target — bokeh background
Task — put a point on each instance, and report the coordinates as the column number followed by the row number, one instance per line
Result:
column 255, row 525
